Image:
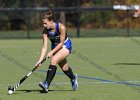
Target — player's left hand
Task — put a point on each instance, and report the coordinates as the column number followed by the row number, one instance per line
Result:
column 50, row 54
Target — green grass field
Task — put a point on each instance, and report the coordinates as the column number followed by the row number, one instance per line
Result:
column 103, row 65
column 72, row 32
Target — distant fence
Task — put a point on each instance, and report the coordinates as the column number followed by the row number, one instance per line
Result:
column 81, row 21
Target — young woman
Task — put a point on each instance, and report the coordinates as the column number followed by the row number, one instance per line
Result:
column 61, row 47
column 137, row 13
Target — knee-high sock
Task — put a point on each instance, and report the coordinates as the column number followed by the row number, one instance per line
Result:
column 51, row 73
column 69, row 73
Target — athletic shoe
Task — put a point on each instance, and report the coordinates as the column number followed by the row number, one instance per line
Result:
column 74, row 82
column 44, row 86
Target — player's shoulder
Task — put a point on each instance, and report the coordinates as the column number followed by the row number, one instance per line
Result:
column 45, row 31
column 61, row 26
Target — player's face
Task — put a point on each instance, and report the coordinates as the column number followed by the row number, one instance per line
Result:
column 47, row 23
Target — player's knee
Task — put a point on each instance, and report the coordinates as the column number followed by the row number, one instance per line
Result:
column 54, row 61
column 65, row 68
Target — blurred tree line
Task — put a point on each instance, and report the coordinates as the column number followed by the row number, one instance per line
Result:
column 99, row 19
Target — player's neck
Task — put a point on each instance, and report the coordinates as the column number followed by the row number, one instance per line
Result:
column 53, row 26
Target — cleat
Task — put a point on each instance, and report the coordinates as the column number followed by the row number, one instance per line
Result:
column 74, row 83
column 44, row 85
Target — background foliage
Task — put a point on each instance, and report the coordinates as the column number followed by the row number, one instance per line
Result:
column 16, row 21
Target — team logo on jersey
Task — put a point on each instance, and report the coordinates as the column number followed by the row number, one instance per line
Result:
column 52, row 33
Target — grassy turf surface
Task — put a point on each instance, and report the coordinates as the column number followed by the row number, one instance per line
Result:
column 97, row 61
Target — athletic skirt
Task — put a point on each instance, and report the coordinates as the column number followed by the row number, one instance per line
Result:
column 67, row 44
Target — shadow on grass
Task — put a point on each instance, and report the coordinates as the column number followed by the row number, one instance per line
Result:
column 42, row 91
column 127, row 64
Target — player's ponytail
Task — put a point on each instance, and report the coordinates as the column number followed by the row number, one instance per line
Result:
column 48, row 15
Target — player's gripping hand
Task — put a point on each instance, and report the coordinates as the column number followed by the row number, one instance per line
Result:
column 38, row 64
column 50, row 54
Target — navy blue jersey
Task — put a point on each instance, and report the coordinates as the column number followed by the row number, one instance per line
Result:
column 55, row 37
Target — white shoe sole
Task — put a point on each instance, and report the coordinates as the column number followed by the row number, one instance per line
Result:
column 42, row 86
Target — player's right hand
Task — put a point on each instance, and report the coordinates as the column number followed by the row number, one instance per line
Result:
column 38, row 64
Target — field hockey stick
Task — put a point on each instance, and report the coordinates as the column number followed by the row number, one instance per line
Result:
column 12, row 89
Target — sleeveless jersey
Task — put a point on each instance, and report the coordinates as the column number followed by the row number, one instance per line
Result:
column 55, row 37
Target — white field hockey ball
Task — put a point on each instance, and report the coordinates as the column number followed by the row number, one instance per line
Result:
column 10, row 92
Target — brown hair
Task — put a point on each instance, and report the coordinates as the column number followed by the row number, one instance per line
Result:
column 48, row 15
